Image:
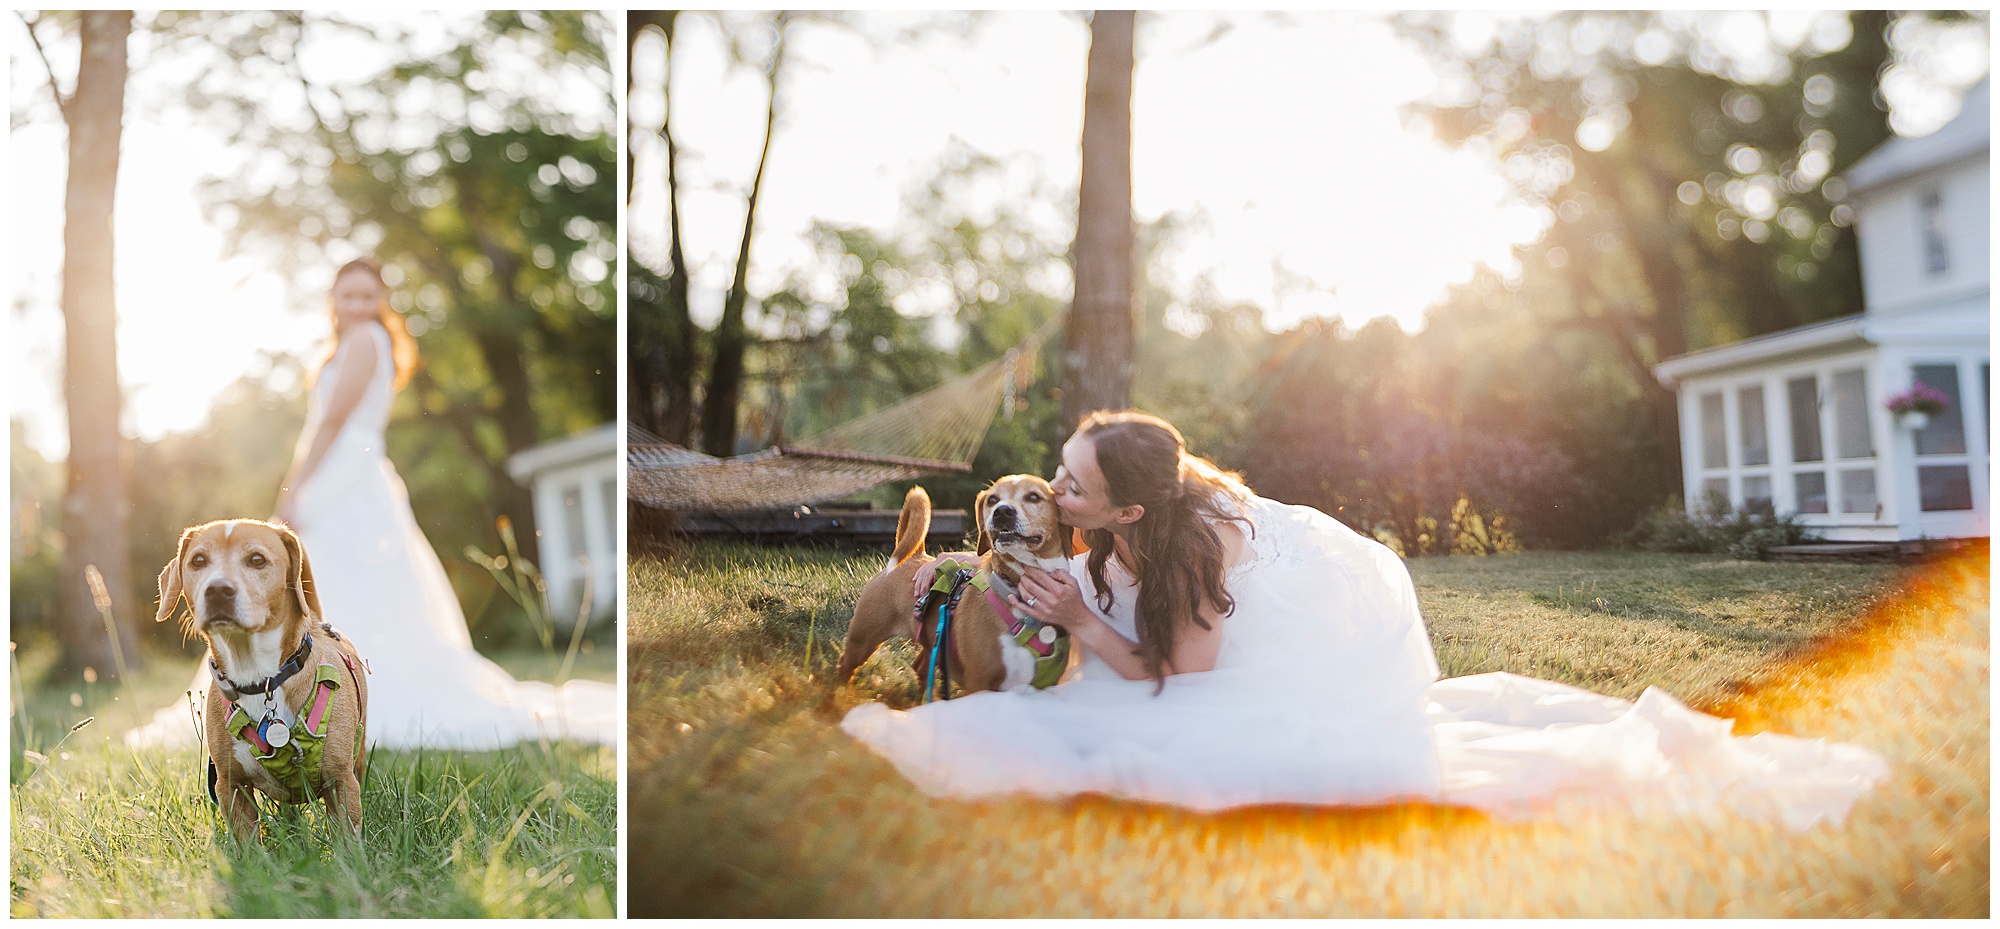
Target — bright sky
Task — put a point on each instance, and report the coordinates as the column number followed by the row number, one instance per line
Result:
column 189, row 322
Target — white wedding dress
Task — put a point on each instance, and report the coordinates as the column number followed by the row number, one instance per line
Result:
column 382, row 586
column 1325, row 692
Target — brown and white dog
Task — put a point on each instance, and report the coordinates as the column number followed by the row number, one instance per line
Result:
column 1018, row 526
column 250, row 595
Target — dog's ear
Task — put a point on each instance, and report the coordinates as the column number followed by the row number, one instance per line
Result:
column 1068, row 537
column 170, row 580
column 300, row 575
column 979, row 520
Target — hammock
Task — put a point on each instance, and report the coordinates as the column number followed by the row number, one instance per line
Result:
column 937, row 430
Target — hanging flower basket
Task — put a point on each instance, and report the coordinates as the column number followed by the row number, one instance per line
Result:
column 1915, row 406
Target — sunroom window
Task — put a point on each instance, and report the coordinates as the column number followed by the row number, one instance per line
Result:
column 1944, row 472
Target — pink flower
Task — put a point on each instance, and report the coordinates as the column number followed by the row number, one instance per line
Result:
column 1920, row 398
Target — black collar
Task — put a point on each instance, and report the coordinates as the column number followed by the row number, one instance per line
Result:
column 291, row 666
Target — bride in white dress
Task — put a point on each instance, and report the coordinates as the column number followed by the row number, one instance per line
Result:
column 379, row 579
column 1284, row 660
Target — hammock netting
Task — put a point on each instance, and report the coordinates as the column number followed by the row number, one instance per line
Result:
column 934, row 431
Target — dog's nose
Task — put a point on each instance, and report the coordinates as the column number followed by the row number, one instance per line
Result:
column 219, row 596
column 1003, row 517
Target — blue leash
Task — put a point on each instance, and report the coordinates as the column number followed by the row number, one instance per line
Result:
column 937, row 647
column 943, row 633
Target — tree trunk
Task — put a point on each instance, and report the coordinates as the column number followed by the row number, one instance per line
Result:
column 725, row 371
column 1098, row 336
column 681, row 348
column 96, row 508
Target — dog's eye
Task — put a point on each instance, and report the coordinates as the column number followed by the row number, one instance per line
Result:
column 991, row 501
column 198, row 561
column 257, row 560
column 1034, row 498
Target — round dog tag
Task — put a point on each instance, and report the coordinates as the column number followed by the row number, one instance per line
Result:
column 1048, row 634
column 276, row 734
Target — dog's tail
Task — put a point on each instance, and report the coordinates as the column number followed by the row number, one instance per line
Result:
column 912, row 526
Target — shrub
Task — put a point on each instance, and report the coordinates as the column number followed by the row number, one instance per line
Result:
column 1715, row 530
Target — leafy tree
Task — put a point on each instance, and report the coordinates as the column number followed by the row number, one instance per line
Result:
column 495, row 215
column 1690, row 191
column 664, row 342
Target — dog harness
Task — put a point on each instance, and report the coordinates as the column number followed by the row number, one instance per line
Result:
column 291, row 750
column 945, row 593
column 1049, row 644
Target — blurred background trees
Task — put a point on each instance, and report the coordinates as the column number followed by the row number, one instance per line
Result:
column 482, row 176
column 1692, row 191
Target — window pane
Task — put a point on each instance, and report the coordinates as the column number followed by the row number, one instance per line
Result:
column 1811, row 487
column 1946, row 433
column 1803, row 396
column 1936, row 259
column 1757, row 495
column 1713, row 434
column 1850, row 416
column 573, row 522
column 1750, row 418
column 1944, row 487
column 1714, row 496
column 608, row 491
column 1857, row 491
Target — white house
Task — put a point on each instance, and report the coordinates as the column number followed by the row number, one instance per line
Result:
column 1796, row 422
column 575, row 483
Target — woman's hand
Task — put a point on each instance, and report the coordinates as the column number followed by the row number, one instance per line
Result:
column 1051, row 598
column 927, row 574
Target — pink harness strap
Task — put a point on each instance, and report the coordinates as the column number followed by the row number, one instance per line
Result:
column 1014, row 624
column 249, row 734
column 322, row 696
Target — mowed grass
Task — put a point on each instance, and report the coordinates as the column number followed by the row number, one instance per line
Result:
column 101, row 831
column 747, row 800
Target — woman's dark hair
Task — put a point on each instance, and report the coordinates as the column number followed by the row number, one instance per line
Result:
column 1178, row 553
column 403, row 348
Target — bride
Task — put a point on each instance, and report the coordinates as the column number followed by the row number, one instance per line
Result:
column 378, row 577
column 1240, row 651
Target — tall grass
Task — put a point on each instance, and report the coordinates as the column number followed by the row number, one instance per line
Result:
column 748, row 801
column 100, row 831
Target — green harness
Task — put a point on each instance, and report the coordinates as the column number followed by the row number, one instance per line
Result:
column 1049, row 644
column 299, row 752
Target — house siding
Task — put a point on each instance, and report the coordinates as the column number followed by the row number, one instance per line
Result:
column 1890, row 227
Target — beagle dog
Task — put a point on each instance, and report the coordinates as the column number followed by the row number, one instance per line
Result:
column 990, row 648
column 287, row 711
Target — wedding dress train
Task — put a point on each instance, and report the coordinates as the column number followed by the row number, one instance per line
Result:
column 382, row 585
column 1326, row 692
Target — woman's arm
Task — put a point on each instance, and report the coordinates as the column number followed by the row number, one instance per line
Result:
column 927, row 572
column 357, row 368
column 1059, row 602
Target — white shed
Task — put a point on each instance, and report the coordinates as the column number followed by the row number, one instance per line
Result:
column 1798, row 422
column 575, row 484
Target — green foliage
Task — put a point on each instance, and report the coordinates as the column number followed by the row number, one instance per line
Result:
column 484, row 178
column 36, row 539
column 1715, row 529
column 824, row 354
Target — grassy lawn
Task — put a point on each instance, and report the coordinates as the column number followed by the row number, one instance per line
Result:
column 747, row 800
column 101, row 831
